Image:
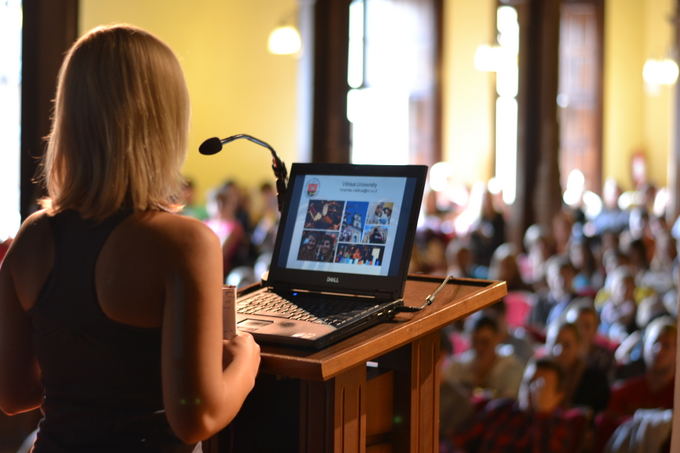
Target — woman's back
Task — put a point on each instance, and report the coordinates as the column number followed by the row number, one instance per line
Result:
column 101, row 376
column 99, row 297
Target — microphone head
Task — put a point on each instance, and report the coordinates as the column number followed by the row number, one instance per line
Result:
column 210, row 146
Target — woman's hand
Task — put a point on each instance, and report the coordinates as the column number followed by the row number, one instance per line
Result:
column 243, row 352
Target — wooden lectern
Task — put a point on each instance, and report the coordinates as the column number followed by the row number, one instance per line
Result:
column 375, row 392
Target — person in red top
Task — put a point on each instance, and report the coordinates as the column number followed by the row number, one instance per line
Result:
column 535, row 423
column 654, row 389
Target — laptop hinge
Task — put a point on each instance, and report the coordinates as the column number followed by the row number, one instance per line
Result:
column 331, row 293
column 384, row 296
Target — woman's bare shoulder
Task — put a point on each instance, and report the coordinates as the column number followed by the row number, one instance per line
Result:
column 33, row 237
column 36, row 223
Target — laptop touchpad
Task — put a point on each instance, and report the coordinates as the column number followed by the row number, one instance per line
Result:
column 253, row 324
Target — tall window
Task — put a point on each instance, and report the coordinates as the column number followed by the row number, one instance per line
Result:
column 507, row 77
column 10, row 115
column 580, row 92
column 391, row 104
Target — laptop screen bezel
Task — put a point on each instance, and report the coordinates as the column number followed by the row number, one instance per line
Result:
column 383, row 287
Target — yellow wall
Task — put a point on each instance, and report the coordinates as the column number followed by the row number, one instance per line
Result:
column 634, row 119
column 658, row 108
column 236, row 86
column 469, row 95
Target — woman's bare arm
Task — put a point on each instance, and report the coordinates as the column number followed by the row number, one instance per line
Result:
column 200, row 395
column 20, row 387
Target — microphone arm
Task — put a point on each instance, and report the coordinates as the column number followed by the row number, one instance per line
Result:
column 278, row 166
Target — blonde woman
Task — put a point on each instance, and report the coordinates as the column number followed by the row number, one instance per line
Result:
column 110, row 304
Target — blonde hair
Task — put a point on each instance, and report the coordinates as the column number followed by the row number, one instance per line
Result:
column 120, row 125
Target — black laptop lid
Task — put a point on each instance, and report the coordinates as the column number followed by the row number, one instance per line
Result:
column 348, row 228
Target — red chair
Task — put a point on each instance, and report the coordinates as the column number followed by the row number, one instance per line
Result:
column 4, row 246
column 518, row 305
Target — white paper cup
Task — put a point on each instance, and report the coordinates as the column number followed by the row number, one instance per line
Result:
column 229, row 311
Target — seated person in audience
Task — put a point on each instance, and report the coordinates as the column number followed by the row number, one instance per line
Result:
column 562, row 226
column 454, row 404
column 266, row 220
column 191, row 208
column 648, row 431
column 670, row 298
column 481, row 370
column 532, row 264
column 513, row 342
column 628, row 357
column 487, row 232
column 654, row 389
column 611, row 219
column 638, row 240
column 459, row 259
column 504, row 266
column 617, row 312
column 588, row 278
column 585, row 386
column 611, row 260
column 223, row 209
column 648, row 309
column 428, row 255
column 550, row 304
column 536, row 422
column 651, row 390
column 598, row 355
column 659, row 276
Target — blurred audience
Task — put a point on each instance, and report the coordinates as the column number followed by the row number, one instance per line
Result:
column 487, row 231
column 538, row 249
column 588, row 278
column 459, row 259
column 617, row 312
column 505, row 266
column 585, row 385
column 513, row 342
column 481, row 370
column 591, row 306
column 653, row 389
column 535, row 422
column 190, row 207
column 266, row 220
column 550, row 303
column 223, row 209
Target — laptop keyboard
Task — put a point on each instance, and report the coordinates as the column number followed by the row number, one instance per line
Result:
column 318, row 309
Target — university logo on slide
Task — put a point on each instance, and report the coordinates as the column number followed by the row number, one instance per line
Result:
column 313, row 187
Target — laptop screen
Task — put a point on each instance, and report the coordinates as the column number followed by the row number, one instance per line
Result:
column 348, row 228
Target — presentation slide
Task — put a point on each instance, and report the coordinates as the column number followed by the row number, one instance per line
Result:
column 346, row 224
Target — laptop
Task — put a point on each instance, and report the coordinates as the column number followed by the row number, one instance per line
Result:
column 341, row 255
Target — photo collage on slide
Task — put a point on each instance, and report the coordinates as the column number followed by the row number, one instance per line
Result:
column 348, row 232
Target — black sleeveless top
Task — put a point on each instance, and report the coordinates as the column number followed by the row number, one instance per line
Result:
column 101, row 378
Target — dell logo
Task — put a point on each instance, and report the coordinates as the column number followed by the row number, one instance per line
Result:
column 330, row 279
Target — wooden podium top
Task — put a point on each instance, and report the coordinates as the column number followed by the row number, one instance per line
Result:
column 459, row 298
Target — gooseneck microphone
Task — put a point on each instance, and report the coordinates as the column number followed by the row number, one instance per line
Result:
column 214, row 145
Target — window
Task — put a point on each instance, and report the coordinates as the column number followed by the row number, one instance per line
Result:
column 10, row 116
column 507, row 76
column 391, row 102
